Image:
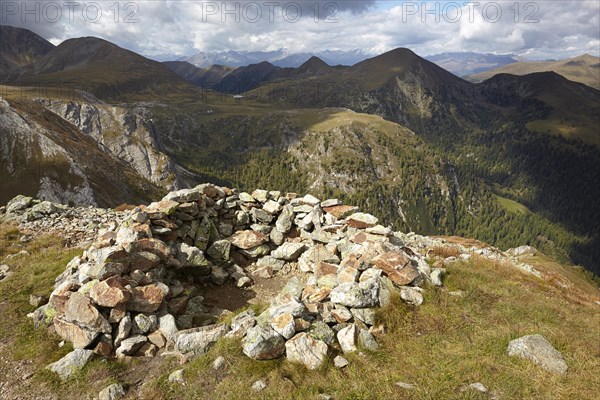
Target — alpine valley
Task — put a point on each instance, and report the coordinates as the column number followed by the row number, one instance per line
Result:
column 507, row 161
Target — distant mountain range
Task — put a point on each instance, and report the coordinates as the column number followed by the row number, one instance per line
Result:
column 584, row 69
column 279, row 58
column 466, row 63
column 460, row 64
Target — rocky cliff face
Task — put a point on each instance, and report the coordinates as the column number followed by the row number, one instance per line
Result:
column 46, row 156
column 127, row 134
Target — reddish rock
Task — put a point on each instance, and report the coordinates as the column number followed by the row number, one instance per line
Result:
column 117, row 313
column 248, row 239
column 110, row 292
column 323, row 268
column 177, row 305
column 157, row 339
column 359, row 238
column 347, row 274
column 341, row 211
column 362, row 220
column 80, row 310
column 397, row 267
column 80, row 337
column 314, row 294
column 145, row 298
column 103, row 348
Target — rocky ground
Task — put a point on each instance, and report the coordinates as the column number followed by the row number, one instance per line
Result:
column 286, row 275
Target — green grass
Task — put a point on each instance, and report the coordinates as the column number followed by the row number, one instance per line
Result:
column 512, row 206
column 35, row 274
column 440, row 346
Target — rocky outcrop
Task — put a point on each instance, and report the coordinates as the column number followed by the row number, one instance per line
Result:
column 44, row 156
column 128, row 134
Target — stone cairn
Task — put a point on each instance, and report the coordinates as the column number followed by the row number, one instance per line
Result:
column 136, row 290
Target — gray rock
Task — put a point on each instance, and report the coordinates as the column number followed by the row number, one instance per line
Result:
column 537, row 349
column 259, row 386
column 437, row 274
column 277, row 237
column 477, row 386
column 362, row 220
column 218, row 274
column 285, row 219
column 272, row 207
column 246, row 197
column 190, row 256
column 289, row 251
column 112, row 392
column 198, row 340
column 219, row 250
column 404, row 385
column 330, row 203
column 411, row 295
column 270, row 261
column 263, row 343
column 367, row 341
column 130, row 345
column 284, row 325
column 143, row 323
column 293, row 287
column 366, row 315
column 71, row 363
column 256, row 252
column 168, row 327
column 306, row 350
column 123, row 330
column 19, row 203
column 177, row 377
column 347, row 337
column 285, row 303
column 359, row 295
column 340, row 362
column 241, row 323
column 219, row 363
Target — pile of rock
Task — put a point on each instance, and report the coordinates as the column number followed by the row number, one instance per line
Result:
column 137, row 290
column 76, row 225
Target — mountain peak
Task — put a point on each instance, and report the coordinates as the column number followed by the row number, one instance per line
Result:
column 313, row 65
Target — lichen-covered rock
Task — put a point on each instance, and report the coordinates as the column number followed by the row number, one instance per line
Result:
column 263, row 343
column 537, row 349
column 112, row 392
column 359, row 295
column 306, row 350
column 71, row 363
column 198, row 340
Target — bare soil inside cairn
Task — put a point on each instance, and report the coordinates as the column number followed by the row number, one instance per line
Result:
column 232, row 298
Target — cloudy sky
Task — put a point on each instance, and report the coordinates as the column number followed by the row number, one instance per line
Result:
column 535, row 30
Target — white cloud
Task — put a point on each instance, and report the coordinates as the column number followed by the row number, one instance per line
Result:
column 565, row 28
